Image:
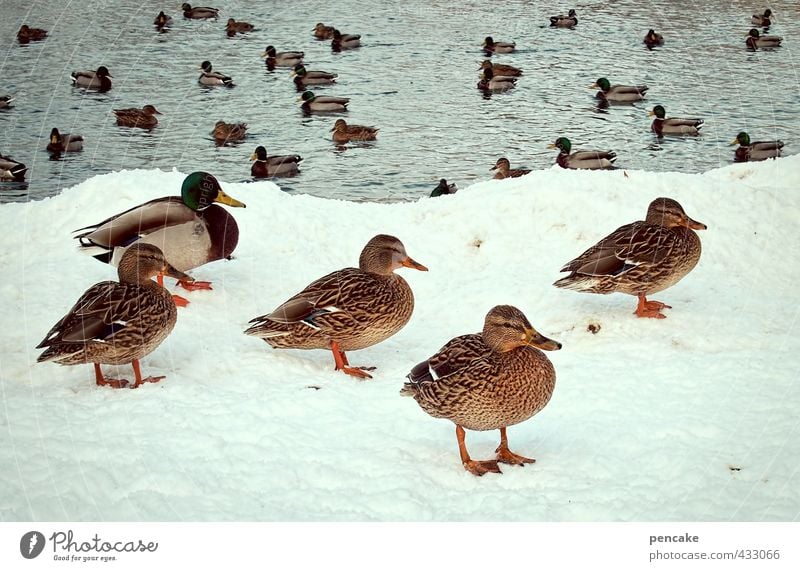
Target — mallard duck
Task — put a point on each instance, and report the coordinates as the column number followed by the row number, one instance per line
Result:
column 11, row 169
column 500, row 69
column 561, row 21
column 581, row 159
column 233, row 27
column 492, row 47
column 276, row 165
column 5, row 101
column 343, row 133
column 323, row 32
column 673, row 125
column 116, row 323
column 487, row 381
column 199, row 13
column 491, row 82
column 346, row 310
column 652, row 39
column 755, row 151
column 162, row 20
column 303, row 77
column 134, row 117
column 27, row 34
column 342, row 41
column 213, row 78
column 762, row 20
column 64, row 142
column 322, row 103
column 755, row 40
column 618, row 93
column 504, row 170
column 190, row 229
column 444, row 188
column 229, row 132
column 282, row 59
column 100, row 79
column 641, row 258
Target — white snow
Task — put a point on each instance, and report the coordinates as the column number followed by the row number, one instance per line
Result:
column 694, row 417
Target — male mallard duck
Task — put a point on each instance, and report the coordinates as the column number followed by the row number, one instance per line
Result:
column 641, row 258
column 100, row 79
column 323, row 103
column 487, row 381
column 26, row 34
column 346, row 310
column 116, row 323
column 491, row 82
column 162, row 20
column 652, row 39
column 11, row 169
column 500, row 69
column 673, row 125
column 134, row 117
column 492, row 47
column 233, row 27
column 229, row 132
column 444, row 188
column 755, row 151
column 282, row 59
column 199, row 13
column 323, row 32
column 581, row 159
column 276, row 165
column 209, row 77
column 64, row 142
column 504, row 170
column 755, row 40
column 303, row 77
column 342, row 41
column 618, row 93
column 762, row 20
column 562, row 21
column 343, row 133
column 5, row 101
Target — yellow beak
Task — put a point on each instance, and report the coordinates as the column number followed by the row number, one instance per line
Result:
column 225, row 199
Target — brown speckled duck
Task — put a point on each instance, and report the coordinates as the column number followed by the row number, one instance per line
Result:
column 504, row 170
column 233, row 27
column 344, row 133
column 116, row 323
column 323, row 32
column 229, row 132
column 135, row 117
column 346, row 310
column 487, row 381
column 26, row 34
column 763, row 20
column 500, row 69
column 641, row 258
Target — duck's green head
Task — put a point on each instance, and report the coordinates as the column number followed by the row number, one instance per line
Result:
column 299, row 69
column 102, row 71
column 55, row 136
column 741, row 139
column 259, row 155
column 562, row 143
column 488, row 42
column 269, row 52
column 767, row 13
column 658, row 111
column 206, row 66
column 753, row 33
column 603, row 84
column 308, row 97
column 201, row 189
column 186, row 7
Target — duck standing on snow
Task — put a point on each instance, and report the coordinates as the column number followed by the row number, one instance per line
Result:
column 210, row 77
column 346, row 310
column 487, row 381
column 618, row 93
column 444, row 188
column 755, row 40
column 100, row 79
column 304, row 77
column 492, row 47
column 11, row 169
column 135, row 117
column 592, row 160
column 26, row 34
column 116, row 323
column 342, row 41
column 322, row 103
column 276, row 165
column 755, row 151
column 641, row 258
column 64, row 142
column 199, row 13
column 763, row 20
column 561, row 21
column 652, row 39
column 344, row 133
column 673, row 126
column 504, row 170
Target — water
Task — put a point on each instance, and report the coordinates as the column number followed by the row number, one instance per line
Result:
column 414, row 77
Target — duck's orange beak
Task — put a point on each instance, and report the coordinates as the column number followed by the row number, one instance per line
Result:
column 695, row 225
column 409, row 263
column 536, row 339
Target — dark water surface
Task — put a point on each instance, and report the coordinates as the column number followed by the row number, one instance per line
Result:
column 414, row 77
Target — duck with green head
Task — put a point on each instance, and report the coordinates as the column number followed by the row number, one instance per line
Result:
column 64, row 142
column 674, row 125
column 322, row 103
column 562, row 21
column 755, row 150
column 11, row 169
column 764, row 20
column 653, row 39
column 755, row 40
column 210, row 77
column 199, row 12
column 492, row 47
column 282, row 59
column 444, row 188
column 592, row 160
column 303, row 77
column 100, row 79
column 618, row 93
column 342, row 41
column 275, row 165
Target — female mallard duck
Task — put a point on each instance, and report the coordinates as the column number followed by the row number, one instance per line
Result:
column 162, row 20
column 641, row 258
column 343, row 133
column 582, row 159
column 342, row 41
column 763, row 20
column 487, row 381
column 755, row 151
column 229, row 132
column 134, row 117
column 673, row 126
column 322, row 103
column 444, row 188
column 492, row 47
column 199, row 13
column 303, row 77
column 652, row 39
column 346, row 310
column 755, row 40
column 500, row 69
column 100, row 79
column 209, row 77
column 5, row 101
column 64, row 142
column 491, row 82
column 11, row 169
column 562, row 21
column 116, row 323
column 190, row 229
column 618, row 93
column 282, row 59
column 504, row 170
column 233, row 27
column 276, row 165
column 323, row 32
column 27, row 34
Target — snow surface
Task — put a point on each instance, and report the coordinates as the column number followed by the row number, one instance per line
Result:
column 693, row 417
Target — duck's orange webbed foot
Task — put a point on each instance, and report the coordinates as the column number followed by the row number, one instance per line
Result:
column 343, row 365
column 481, row 467
column 180, row 301
column 113, row 383
column 506, row 456
column 195, row 285
column 137, row 384
column 651, row 308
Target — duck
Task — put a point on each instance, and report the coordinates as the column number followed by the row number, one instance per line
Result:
column 504, row 170
column 487, row 381
column 162, row 20
column 756, row 150
column 11, row 169
column 763, row 20
column 592, row 160
column 653, row 39
column 323, row 32
column 342, row 41
column 347, row 310
column 755, row 40
column 343, row 133
column 26, row 34
column 561, row 21
column 116, row 323
column 100, row 79
column 209, row 77
column 5, row 101
column 491, row 82
column 673, row 126
column 500, row 69
column 304, row 77
column 322, row 103
column 135, row 117
column 199, row 13
column 444, row 188
column 276, row 165
column 229, row 132
column 618, row 93
column 282, row 59
column 64, row 142
column 641, row 258
column 492, row 47
column 233, row 27
column 191, row 229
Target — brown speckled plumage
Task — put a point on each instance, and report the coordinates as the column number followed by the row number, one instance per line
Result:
column 227, row 132
column 504, row 170
column 343, row 133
